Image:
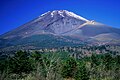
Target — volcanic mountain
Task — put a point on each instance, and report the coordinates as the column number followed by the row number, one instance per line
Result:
column 59, row 28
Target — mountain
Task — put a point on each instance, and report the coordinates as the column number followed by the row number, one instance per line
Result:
column 59, row 28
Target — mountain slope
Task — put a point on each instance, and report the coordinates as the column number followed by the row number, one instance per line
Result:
column 62, row 28
column 48, row 23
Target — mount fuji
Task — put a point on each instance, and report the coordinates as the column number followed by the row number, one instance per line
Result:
column 59, row 28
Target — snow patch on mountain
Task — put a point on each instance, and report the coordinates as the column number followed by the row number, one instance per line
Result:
column 61, row 13
column 64, row 13
column 44, row 14
column 75, row 15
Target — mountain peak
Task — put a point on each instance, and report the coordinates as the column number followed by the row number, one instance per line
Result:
column 63, row 13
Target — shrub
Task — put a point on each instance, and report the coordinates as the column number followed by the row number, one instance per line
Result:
column 20, row 63
column 69, row 68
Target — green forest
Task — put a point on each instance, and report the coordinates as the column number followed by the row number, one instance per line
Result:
column 62, row 64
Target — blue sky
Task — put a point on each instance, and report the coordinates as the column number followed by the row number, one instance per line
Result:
column 14, row 13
